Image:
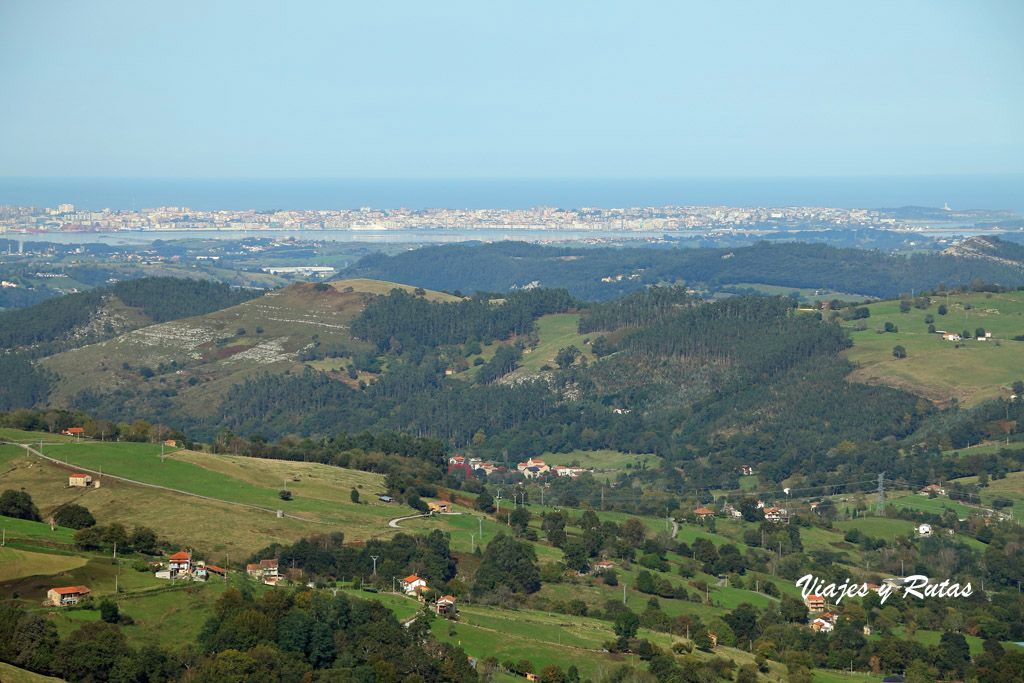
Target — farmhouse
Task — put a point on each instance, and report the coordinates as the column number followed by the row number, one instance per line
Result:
column 603, row 565
column 180, row 564
column 68, row 595
column 933, row 488
column 774, row 514
column 563, row 471
column 446, row 604
column 704, row 512
column 822, row 625
column 542, row 468
column 79, row 479
column 413, row 584
column 924, row 530
column 814, row 603
column 73, row 431
column 747, row 469
column 436, row 508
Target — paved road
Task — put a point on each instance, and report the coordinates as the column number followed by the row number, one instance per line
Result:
column 394, row 522
column 33, row 451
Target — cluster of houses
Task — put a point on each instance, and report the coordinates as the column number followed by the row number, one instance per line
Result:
column 417, row 587
column 822, row 618
column 954, row 337
column 181, row 566
column 264, row 571
column 531, row 469
column 772, row 513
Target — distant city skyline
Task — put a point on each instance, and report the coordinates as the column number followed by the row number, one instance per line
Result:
column 268, row 89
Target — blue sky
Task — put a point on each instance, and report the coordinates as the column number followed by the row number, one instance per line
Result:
column 515, row 89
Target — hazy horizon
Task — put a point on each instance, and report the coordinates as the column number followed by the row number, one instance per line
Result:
column 982, row 191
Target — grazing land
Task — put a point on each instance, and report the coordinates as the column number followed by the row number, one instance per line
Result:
column 970, row 371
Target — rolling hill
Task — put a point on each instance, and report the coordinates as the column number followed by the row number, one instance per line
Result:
column 184, row 367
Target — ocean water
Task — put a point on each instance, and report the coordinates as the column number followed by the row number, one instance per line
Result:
column 960, row 192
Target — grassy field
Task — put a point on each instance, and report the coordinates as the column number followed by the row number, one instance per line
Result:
column 804, row 293
column 556, row 332
column 32, row 438
column 12, row 674
column 934, row 505
column 603, row 459
column 935, row 368
column 878, row 527
column 322, row 492
column 17, row 564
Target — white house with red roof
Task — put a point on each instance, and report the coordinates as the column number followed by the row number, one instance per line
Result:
column 704, row 512
column 413, row 584
column 542, row 468
column 180, row 563
column 79, row 479
column 446, row 604
column 933, row 488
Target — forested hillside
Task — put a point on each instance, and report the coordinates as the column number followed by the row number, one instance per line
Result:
column 53, row 324
column 508, row 265
column 749, row 367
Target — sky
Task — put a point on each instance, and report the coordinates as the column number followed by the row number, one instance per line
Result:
column 388, row 89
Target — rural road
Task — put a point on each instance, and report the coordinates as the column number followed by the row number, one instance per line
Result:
column 394, row 522
column 35, row 452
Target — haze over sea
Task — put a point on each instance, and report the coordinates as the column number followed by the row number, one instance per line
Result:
column 960, row 192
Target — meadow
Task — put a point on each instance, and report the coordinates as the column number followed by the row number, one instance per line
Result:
column 970, row 371
column 321, row 493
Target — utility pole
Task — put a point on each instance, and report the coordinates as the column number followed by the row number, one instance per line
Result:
column 480, row 528
column 498, row 499
column 623, row 594
column 472, row 547
column 374, row 558
column 602, row 498
column 880, row 511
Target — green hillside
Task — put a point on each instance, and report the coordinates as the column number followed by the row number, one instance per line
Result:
column 970, row 371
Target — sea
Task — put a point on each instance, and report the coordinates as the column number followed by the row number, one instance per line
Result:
column 957, row 191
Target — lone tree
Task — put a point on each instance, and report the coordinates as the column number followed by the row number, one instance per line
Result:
column 73, row 517
column 354, row 496
column 899, row 351
column 19, row 505
column 626, row 624
column 566, row 356
column 484, row 502
column 285, row 494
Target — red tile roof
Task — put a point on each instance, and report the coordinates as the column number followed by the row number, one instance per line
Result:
column 70, row 590
column 79, row 475
column 411, row 578
column 703, row 511
column 181, row 556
